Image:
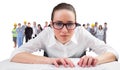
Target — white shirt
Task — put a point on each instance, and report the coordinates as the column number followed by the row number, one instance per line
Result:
column 34, row 30
column 81, row 40
column 100, row 34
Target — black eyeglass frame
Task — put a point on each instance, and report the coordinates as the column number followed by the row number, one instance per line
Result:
column 76, row 24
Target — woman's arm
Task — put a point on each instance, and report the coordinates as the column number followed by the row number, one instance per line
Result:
column 87, row 61
column 106, row 57
column 25, row 57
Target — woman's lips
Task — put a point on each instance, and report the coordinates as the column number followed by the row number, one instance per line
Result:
column 63, row 35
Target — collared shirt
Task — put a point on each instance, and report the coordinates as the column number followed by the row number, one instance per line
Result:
column 20, row 32
column 34, row 31
column 80, row 41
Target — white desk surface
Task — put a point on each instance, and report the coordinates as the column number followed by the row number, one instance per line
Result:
column 6, row 65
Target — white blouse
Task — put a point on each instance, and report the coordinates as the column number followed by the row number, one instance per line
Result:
column 81, row 40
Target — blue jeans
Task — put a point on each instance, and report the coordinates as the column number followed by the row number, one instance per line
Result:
column 19, row 41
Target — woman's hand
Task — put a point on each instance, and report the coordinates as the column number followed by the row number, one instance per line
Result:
column 61, row 61
column 87, row 61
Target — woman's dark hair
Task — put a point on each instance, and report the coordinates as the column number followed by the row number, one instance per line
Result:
column 100, row 27
column 40, row 27
column 63, row 6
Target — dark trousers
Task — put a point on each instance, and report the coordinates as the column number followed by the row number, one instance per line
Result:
column 27, row 38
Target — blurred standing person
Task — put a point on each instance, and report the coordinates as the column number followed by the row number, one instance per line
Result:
column 28, row 32
column 34, row 30
column 23, row 27
column 92, row 31
column 105, row 29
column 39, row 29
column 95, row 28
column 46, row 24
column 88, row 27
column 19, row 35
column 100, row 33
column 14, row 34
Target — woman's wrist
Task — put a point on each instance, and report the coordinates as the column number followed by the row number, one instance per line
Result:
column 50, row 60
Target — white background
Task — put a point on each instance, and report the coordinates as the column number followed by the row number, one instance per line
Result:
column 12, row 11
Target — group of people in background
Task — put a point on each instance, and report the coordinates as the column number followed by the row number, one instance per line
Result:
column 96, row 30
column 28, row 32
column 19, row 32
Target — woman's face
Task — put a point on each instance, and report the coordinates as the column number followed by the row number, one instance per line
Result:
column 64, row 16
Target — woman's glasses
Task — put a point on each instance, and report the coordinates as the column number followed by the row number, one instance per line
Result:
column 60, row 25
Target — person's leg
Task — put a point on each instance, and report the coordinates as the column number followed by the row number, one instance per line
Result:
column 30, row 37
column 18, row 41
column 15, row 44
column 105, row 39
column 23, row 38
column 14, row 40
column 26, row 37
column 21, row 41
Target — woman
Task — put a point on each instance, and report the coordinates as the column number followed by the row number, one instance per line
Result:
column 14, row 34
column 39, row 29
column 100, row 33
column 64, row 40
column 20, row 34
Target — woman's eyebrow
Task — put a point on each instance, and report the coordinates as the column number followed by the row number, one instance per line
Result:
column 70, row 21
column 57, row 21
